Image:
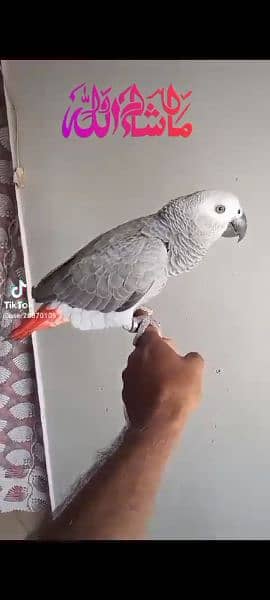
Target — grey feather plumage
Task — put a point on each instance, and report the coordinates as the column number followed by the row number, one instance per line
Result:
column 121, row 268
column 112, row 273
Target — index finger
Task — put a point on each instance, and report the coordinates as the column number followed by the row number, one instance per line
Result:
column 172, row 344
column 149, row 336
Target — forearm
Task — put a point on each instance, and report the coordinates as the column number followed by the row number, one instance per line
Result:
column 118, row 501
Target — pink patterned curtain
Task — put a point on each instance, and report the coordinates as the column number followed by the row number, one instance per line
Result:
column 23, row 479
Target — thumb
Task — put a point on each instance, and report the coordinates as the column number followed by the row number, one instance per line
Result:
column 194, row 357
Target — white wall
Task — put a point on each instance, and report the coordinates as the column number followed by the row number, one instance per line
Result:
column 217, row 484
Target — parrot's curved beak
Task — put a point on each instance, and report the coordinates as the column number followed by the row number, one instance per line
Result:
column 237, row 227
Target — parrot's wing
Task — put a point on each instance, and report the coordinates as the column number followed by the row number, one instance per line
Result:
column 112, row 273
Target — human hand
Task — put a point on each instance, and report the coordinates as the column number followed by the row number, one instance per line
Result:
column 160, row 386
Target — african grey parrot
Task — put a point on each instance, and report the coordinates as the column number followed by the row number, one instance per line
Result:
column 120, row 270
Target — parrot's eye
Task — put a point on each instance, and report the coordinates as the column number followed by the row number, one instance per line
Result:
column 220, row 208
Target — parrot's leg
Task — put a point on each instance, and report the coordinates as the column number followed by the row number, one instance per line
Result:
column 142, row 318
column 140, row 313
column 140, row 324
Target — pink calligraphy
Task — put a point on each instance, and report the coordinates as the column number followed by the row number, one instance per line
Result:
column 99, row 113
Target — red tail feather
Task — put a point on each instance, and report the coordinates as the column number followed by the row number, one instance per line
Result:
column 45, row 317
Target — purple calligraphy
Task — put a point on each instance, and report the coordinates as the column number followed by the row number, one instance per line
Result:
column 99, row 114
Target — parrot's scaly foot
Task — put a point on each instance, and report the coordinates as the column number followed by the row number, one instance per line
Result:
column 140, row 324
column 142, row 318
column 140, row 313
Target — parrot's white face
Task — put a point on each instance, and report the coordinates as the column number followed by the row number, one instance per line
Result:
column 219, row 213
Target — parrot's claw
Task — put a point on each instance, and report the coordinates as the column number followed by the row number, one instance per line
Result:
column 136, row 319
column 147, row 310
column 140, row 324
